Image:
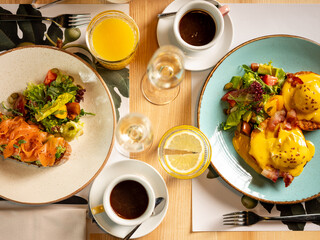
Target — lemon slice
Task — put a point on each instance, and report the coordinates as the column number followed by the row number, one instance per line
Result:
column 187, row 141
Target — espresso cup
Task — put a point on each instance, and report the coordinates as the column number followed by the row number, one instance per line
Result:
column 129, row 200
column 198, row 25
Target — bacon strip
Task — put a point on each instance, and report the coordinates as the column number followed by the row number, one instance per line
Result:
column 273, row 174
column 293, row 79
column 277, row 118
column 287, row 178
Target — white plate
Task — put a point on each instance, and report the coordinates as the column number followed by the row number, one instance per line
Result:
column 30, row 184
column 201, row 60
column 117, row 169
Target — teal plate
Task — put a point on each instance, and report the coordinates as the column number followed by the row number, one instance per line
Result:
column 293, row 54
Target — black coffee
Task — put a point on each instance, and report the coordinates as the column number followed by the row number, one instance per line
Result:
column 129, row 199
column 197, row 28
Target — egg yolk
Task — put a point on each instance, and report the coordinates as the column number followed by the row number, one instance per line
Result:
column 288, row 152
column 304, row 98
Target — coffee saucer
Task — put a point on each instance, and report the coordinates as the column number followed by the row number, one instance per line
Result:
column 200, row 60
column 114, row 170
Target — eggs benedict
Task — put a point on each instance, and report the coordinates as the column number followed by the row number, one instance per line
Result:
column 301, row 93
column 275, row 153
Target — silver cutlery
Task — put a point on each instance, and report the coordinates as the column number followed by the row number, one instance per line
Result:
column 247, row 218
column 64, row 20
column 162, row 15
column 157, row 209
column 48, row 4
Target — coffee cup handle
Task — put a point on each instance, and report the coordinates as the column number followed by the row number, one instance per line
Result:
column 98, row 209
column 225, row 9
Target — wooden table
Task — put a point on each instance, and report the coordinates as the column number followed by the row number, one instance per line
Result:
column 177, row 224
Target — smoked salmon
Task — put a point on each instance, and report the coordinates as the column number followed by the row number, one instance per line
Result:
column 27, row 143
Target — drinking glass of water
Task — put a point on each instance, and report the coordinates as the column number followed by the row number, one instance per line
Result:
column 165, row 71
column 133, row 134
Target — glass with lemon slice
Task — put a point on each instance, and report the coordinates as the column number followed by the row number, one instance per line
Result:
column 184, row 152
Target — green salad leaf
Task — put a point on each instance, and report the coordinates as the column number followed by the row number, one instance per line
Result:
column 36, row 93
column 63, row 84
column 60, row 151
column 251, row 76
column 234, row 118
column 52, row 124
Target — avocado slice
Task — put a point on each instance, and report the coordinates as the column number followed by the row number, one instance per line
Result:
column 265, row 69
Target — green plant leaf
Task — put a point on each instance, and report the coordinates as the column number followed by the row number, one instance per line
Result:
column 8, row 33
column 313, row 206
column 212, row 173
column 86, row 58
column 115, row 79
column 116, row 100
column 33, row 31
column 292, row 209
column 118, row 79
column 54, row 32
column 267, row 206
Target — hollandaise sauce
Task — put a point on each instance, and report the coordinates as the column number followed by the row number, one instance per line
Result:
column 241, row 144
column 113, row 39
column 304, row 98
column 288, row 151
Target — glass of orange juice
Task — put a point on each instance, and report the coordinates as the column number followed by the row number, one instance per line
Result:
column 112, row 38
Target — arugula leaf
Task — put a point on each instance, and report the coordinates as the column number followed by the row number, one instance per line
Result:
column 81, row 114
column 63, row 84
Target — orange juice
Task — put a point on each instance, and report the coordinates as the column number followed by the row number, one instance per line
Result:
column 112, row 38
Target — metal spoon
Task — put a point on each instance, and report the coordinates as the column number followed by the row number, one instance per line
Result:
column 45, row 5
column 157, row 209
column 162, row 15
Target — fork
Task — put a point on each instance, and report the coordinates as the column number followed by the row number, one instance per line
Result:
column 64, row 20
column 247, row 218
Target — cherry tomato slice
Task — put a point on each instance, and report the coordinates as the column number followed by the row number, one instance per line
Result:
column 270, row 80
column 50, row 78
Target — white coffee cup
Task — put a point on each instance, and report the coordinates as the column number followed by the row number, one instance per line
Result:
column 111, row 212
column 204, row 6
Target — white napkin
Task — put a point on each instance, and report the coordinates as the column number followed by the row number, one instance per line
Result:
column 52, row 222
